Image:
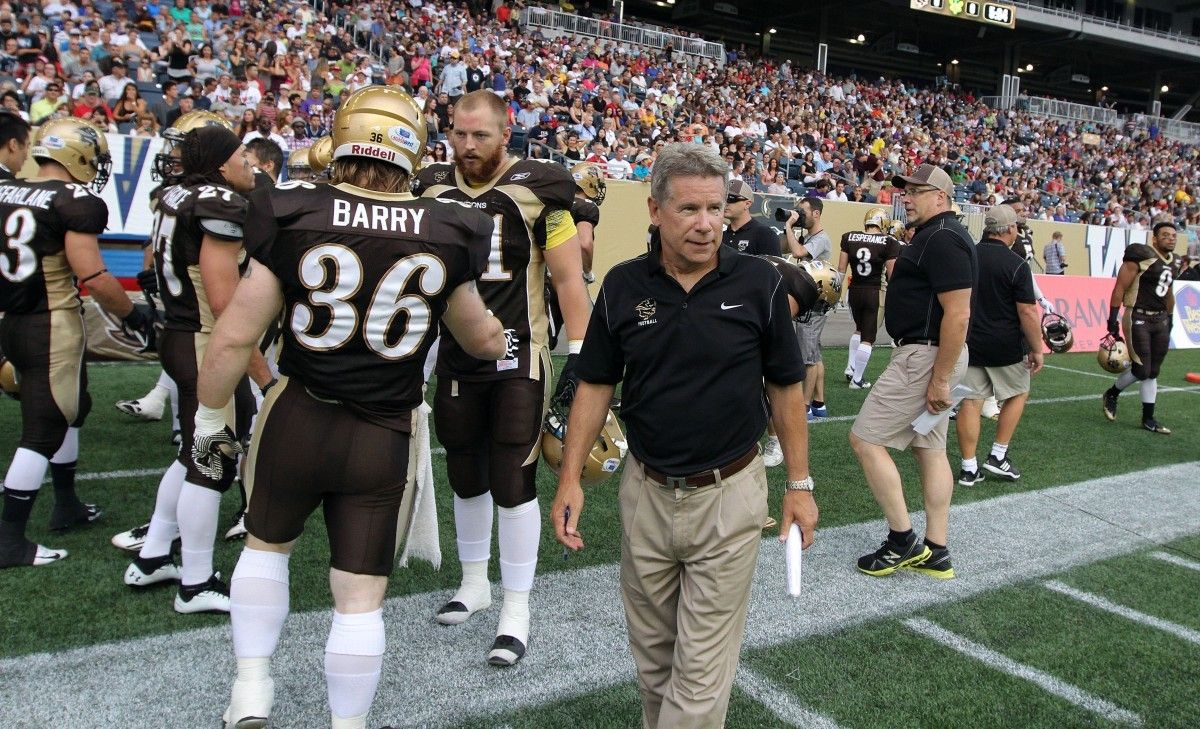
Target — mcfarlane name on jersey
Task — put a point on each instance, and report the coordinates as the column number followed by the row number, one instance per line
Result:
column 34, row 273
column 530, row 202
column 365, row 278
column 184, row 216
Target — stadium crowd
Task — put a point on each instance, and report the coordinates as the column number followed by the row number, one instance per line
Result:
column 280, row 69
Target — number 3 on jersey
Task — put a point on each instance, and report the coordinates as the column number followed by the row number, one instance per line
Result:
column 19, row 230
column 338, row 265
column 863, row 268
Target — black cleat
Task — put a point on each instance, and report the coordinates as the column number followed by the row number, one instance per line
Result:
column 1110, row 403
column 1154, row 426
column 891, row 557
column 65, row 517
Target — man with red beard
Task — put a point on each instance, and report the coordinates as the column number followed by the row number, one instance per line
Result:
column 488, row 414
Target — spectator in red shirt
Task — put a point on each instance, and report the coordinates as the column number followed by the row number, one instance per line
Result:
column 89, row 101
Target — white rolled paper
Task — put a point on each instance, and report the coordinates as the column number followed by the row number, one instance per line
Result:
column 795, row 555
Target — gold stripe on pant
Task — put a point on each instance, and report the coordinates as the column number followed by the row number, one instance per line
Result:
column 687, row 561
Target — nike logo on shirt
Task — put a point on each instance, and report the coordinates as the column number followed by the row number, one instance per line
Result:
column 727, row 307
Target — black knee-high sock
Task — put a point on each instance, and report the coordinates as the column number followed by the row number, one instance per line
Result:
column 63, row 476
column 18, row 505
column 1147, row 411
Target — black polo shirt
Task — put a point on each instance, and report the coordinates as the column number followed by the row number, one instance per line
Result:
column 1005, row 280
column 755, row 238
column 692, row 364
column 940, row 258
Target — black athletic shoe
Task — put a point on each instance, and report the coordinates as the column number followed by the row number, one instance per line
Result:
column 891, row 557
column 1002, row 467
column 1154, row 426
column 937, row 566
column 65, row 517
column 969, row 478
column 1110, row 403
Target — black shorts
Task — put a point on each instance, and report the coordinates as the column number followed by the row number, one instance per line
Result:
column 1149, row 339
column 308, row 453
column 47, row 350
column 864, row 307
column 492, row 432
column 181, row 354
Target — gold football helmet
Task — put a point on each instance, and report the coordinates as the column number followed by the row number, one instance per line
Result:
column 1056, row 333
column 166, row 163
column 588, row 178
column 877, row 218
column 320, row 154
column 10, row 384
column 1113, row 355
column 298, row 166
column 79, row 147
column 828, row 283
column 602, row 461
column 380, row 122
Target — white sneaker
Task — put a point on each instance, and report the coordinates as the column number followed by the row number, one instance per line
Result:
column 860, row 385
column 250, row 703
column 133, row 539
column 211, row 596
column 772, row 453
column 165, row 571
column 238, row 530
column 144, row 408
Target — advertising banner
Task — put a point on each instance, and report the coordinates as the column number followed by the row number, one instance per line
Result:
column 1185, row 334
column 1083, row 300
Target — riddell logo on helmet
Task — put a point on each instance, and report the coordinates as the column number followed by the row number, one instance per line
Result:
column 363, row 150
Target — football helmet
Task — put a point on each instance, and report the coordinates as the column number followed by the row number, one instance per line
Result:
column 877, row 218
column 1113, row 355
column 79, row 147
column 166, row 163
column 602, row 461
column 298, row 166
column 897, row 229
column 383, row 123
column 1056, row 333
column 828, row 283
column 10, row 383
column 320, row 154
column 588, row 178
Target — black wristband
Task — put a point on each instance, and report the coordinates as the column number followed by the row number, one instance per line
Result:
column 1114, row 313
column 101, row 272
column 134, row 319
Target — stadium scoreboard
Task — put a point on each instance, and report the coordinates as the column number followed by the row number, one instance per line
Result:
column 991, row 13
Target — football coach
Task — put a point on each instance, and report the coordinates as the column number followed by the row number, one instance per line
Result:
column 701, row 337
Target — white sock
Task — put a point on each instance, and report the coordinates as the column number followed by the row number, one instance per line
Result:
column 514, row 615
column 163, row 524
column 1150, row 390
column 26, row 471
column 353, row 722
column 1125, row 379
column 861, row 357
column 772, row 441
column 258, row 602
column 970, row 464
column 159, row 393
column 473, row 526
column 68, row 452
column 353, row 662
column 999, row 450
column 855, row 340
column 197, row 514
column 475, row 591
column 520, row 533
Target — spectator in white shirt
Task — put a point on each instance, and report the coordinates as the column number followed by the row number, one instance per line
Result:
column 838, row 192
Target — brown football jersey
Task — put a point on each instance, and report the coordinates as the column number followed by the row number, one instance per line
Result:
column 184, row 216
column 34, row 273
column 868, row 254
column 530, row 202
column 799, row 284
column 1155, row 275
column 365, row 279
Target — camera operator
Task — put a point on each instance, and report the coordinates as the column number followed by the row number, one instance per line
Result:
column 816, row 246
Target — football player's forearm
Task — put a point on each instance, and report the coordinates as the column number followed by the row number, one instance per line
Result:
column 225, row 363
column 791, row 426
column 108, row 292
column 258, row 369
column 589, row 410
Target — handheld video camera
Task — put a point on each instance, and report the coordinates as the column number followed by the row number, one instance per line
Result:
column 782, row 215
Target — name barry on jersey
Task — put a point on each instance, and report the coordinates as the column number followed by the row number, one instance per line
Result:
column 350, row 214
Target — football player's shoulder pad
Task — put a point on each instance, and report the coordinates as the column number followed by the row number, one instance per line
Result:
column 438, row 173
column 550, row 181
column 79, row 209
column 1138, row 252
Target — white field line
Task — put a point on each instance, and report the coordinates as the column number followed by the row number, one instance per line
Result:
column 1176, row 560
column 1079, row 372
column 1102, row 603
column 780, row 702
column 1004, row 664
column 436, row 676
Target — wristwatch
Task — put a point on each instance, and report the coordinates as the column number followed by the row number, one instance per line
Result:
column 804, row 484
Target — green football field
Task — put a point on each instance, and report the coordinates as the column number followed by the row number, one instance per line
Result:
column 1142, row 673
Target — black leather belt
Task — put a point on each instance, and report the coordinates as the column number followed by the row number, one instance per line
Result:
column 707, row 478
column 905, row 341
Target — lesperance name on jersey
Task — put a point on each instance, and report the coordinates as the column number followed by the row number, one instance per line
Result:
column 347, row 214
column 26, row 196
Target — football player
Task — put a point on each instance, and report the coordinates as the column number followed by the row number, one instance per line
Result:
column 872, row 252
column 52, row 223
column 298, row 167
column 488, row 414
column 590, row 189
column 198, row 230
column 364, row 272
column 1143, row 286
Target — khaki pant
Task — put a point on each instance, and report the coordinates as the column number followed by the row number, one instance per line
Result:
column 687, row 560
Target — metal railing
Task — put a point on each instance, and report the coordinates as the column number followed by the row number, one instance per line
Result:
column 556, row 21
column 1055, row 108
column 1176, row 129
column 1081, row 18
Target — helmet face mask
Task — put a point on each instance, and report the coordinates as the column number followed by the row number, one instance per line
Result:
column 588, row 179
column 1056, row 333
column 1113, row 355
column 167, row 167
column 79, row 147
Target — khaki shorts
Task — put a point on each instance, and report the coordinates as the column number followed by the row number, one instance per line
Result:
column 999, row 382
column 898, row 396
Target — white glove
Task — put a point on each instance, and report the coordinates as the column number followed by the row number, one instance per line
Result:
column 1047, row 305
